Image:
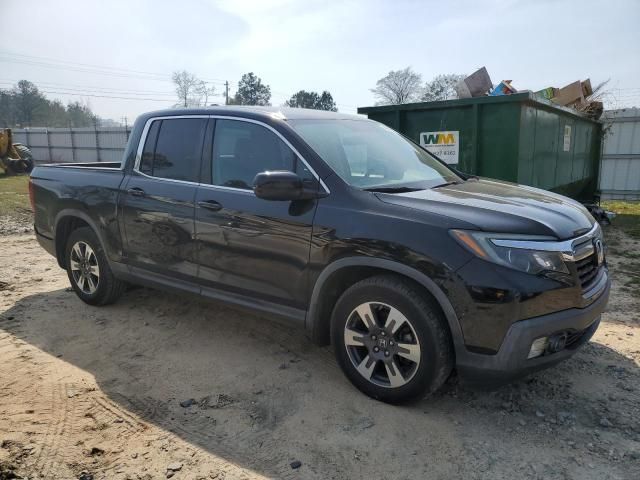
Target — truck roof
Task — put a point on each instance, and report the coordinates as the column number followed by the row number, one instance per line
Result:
column 281, row 113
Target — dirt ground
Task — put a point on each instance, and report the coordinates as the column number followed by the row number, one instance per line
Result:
column 95, row 393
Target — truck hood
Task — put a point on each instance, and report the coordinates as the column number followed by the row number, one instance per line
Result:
column 503, row 207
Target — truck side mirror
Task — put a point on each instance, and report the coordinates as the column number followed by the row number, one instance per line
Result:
column 283, row 185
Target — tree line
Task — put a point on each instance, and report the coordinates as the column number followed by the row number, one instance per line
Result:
column 397, row 87
column 25, row 106
column 193, row 92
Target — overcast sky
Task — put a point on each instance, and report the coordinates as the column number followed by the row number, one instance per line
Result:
column 342, row 46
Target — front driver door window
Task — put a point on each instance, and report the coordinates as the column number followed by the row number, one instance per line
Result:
column 243, row 149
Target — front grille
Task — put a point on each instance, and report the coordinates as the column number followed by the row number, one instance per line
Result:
column 587, row 270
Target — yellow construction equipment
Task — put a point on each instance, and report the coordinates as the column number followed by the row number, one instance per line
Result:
column 15, row 158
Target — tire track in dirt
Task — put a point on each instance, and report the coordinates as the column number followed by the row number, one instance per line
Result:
column 236, row 448
column 43, row 402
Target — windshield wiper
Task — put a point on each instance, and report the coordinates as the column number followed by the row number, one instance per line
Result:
column 393, row 189
column 445, row 184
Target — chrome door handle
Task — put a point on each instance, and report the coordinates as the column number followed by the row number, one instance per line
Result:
column 136, row 192
column 210, row 205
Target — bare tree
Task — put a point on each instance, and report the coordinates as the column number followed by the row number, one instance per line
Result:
column 399, row 86
column 188, row 88
column 442, row 87
column 206, row 92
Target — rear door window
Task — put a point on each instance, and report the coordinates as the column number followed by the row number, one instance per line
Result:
column 146, row 162
column 176, row 152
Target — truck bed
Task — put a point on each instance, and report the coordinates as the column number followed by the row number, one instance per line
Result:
column 88, row 189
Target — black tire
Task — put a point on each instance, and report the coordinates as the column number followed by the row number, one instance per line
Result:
column 424, row 325
column 107, row 288
column 25, row 164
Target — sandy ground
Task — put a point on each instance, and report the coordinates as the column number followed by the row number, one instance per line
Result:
column 95, row 393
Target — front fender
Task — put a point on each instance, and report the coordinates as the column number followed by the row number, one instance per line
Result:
column 317, row 327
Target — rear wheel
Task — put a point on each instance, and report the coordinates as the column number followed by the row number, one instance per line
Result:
column 391, row 340
column 88, row 269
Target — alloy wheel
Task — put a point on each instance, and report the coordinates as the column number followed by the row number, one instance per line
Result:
column 84, row 267
column 382, row 344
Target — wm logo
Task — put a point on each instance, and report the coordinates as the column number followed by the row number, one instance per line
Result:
column 438, row 139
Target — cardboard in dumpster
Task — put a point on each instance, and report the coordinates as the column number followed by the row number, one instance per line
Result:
column 593, row 109
column 477, row 84
column 586, row 88
column 547, row 93
column 503, row 88
column 570, row 94
column 575, row 95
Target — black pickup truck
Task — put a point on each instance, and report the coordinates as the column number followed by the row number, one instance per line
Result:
column 343, row 226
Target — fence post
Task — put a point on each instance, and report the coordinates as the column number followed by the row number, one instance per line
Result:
column 73, row 145
column 95, row 127
column 49, row 146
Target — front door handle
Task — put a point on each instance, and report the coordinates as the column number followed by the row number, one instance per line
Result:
column 136, row 192
column 210, row 205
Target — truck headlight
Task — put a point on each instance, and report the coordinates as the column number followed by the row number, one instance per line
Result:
column 524, row 253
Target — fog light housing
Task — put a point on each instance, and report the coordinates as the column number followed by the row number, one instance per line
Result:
column 557, row 342
column 538, row 347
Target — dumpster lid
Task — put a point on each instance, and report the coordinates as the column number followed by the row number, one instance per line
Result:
column 523, row 97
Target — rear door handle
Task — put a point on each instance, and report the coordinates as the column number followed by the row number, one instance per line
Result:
column 210, row 205
column 136, row 192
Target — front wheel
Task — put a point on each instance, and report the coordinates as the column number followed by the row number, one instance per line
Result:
column 88, row 269
column 391, row 339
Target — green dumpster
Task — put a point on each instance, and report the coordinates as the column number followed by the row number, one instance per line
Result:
column 519, row 138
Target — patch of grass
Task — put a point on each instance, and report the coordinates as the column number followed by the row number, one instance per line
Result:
column 628, row 219
column 14, row 194
column 622, row 207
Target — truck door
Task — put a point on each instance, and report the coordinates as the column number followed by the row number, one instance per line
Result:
column 247, row 245
column 158, row 198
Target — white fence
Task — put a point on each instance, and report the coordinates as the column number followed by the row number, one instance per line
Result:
column 56, row 145
column 620, row 165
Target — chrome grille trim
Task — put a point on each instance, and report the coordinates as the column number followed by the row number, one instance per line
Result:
column 572, row 250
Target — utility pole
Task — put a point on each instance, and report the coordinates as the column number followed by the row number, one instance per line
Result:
column 226, row 92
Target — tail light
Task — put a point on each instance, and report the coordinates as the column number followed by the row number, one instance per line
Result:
column 31, row 200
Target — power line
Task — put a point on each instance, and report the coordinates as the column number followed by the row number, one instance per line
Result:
column 100, row 67
column 117, row 72
column 98, row 89
column 109, row 96
column 84, row 70
column 92, row 68
column 13, row 82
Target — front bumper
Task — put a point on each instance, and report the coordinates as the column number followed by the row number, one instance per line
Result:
column 511, row 361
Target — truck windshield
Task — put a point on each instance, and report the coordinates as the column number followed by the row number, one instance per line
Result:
column 371, row 156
